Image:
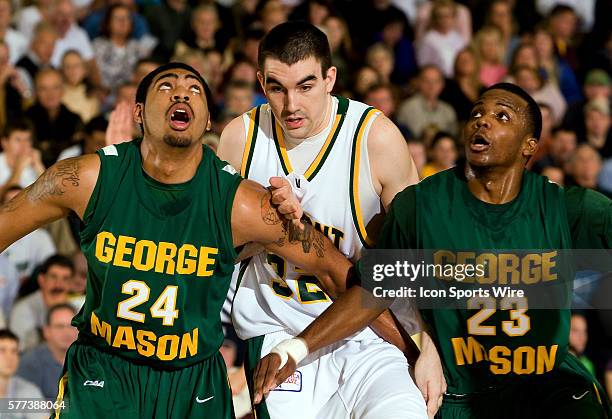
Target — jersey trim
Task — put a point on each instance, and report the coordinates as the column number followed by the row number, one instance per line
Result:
column 367, row 115
column 319, row 161
column 249, row 147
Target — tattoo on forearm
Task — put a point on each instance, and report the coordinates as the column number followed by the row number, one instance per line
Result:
column 54, row 181
column 311, row 239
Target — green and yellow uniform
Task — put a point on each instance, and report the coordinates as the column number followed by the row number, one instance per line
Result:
column 504, row 361
column 160, row 262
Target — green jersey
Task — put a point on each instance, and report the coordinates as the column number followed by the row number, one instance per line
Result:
column 482, row 346
column 160, row 260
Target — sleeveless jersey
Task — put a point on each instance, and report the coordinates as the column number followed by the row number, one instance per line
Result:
column 482, row 346
column 337, row 195
column 160, row 260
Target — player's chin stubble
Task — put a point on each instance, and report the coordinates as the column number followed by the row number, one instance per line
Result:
column 177, row 141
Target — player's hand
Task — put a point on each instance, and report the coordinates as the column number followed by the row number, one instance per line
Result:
column 286, row 202
column 267, row 375
column 429, row 376
column 120, row 124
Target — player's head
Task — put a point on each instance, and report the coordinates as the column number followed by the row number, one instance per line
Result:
column 503, row 129
column 172, row 105
column 9, row 353
column 296, row 75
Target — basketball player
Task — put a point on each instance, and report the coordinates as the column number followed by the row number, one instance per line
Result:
column 162, row 216
column 346, row 161
column 511, row 362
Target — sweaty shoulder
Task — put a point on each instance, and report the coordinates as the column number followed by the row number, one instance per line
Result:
column 232, row 142
column 589, row 214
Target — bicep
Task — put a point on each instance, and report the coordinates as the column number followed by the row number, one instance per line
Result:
column 232, row 143
column 392, row 165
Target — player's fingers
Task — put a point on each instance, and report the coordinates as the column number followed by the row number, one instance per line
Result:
column 278, row 182
column 297, row 223
column 287, row 208
column 257, row 383
column 261, row 377
column 270, row 380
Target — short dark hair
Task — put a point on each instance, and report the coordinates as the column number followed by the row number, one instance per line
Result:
column 533, row 114
column 7, row 334
column 58, row 307
column 98, row 123
column 559, row 9
column 19, row 124
column 56, row 260
column 295, row 41
column 439, row 136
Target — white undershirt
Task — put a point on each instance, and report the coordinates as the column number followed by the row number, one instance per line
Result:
column 302, row 152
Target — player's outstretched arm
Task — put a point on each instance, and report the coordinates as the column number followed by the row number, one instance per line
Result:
column 65, row 186
column 255, row 219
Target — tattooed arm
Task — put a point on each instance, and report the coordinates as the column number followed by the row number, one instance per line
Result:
column 254, row 219
column 66, row 186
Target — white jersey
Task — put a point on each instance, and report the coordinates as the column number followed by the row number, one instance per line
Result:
column 338, row 196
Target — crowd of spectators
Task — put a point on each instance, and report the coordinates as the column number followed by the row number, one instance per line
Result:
column 66, row 64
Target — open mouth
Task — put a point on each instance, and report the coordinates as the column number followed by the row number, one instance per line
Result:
column 479, row 143
column 294, row 122
column 180, row 116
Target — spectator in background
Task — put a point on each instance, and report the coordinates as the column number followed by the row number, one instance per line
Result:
column 488, row 44
column 55, row 126
column 115, row 50
column 20, row 163
column 29, row 314
column 582, row 9
column 250, row 45
column 270, row 13
column 40, row 53
column 443, row 154
column 578, row 339
column 370, row 16
column 95, row 132
column 554, row 174
column 31, row 250
column 553, row 69
column 442, row 41
column 143, row 67
column 11, row 385
column 93, row 22
column 78, row 286
column 597, row 123
column 313, row 11
column 239, row 97
column 500, row 16
column 16, row 42
column 70, row 36
column 42, row 365
column 384, row 98
column 380, row 57
column 418, row 152
column 560, row 149
column 529, row 79
column 425, row 108
column 462, row 21
column 597, row 84
column 393, row 35
column 461, row 91
column 78, row 94
column 563, row 24
column 584, row 167
column 203, row 33
column 12, row 89
column 168, row 21
column 341, row 48
column 9, row 287
column 365, row 78
column 545, row 135
column 30, row 16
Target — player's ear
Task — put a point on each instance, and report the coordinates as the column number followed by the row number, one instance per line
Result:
column 260, row 78
column 138, row 113
column 531, row 145
column 330, row 79
column 208, row 124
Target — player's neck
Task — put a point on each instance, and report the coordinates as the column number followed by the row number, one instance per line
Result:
column 168, row 164
column 494, row 185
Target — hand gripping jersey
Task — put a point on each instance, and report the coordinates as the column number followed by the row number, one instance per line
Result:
column 336, row 194
column 160, row 260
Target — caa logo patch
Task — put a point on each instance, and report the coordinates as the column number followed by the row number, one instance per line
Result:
column 292, row 383
column 95, row 383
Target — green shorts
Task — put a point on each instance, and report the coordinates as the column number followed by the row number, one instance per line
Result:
column 567, row 392
column 97, row 384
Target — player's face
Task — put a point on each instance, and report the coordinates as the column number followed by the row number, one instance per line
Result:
column 298, row 95
column 496, row 133
column 176, row 110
